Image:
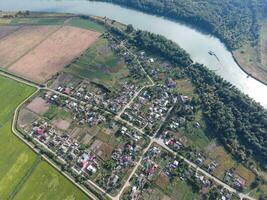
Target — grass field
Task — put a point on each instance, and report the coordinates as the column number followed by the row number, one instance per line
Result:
column 87, row 24
column 38, row 21
column 18, row 162
column 178, row 189
column 226, row 162
column 47, row 184
column 253, row 58
column 55, row 111
column 99, row 63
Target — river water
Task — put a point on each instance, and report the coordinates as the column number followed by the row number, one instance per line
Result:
column 195, row 42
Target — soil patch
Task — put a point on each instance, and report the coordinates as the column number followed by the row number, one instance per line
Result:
column 38, row 106
column 53, row 54
column 61, row 124
column 5, row 30
column 18, row 43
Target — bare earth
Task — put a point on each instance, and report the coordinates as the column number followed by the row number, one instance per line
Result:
column 5, row 30
column 54, row 53
column 38, row 106
column 61, row 124
column 18, row 43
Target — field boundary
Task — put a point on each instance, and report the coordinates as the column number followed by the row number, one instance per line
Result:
column 23, row 180
column 35, row 46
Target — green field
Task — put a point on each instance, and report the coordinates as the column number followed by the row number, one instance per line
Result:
column 55, row 111
column 177, row 189
column 18, row 162
column 86, row 24
column 100, row 64
column 46, row 183
column 38, row 21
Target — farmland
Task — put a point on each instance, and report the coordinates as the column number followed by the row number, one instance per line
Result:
column 16, row 158
column 54, row 53
column 100, row 64
column 45, row 179
column 28, row 37
column 86, row 24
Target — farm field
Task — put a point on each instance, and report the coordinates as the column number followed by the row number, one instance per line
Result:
column 99, row 64
column 17, row 160
column 54, row 53
column 20, row 42
column 5, row 30
column 45, row 179
column 86, row 24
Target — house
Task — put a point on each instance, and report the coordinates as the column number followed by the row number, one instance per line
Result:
column 170, row 83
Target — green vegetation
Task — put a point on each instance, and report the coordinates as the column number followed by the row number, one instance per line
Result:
column 16, row 159
column 55, row 111
column 18, row 162
column 45, row 183
column 180, row 190
column 99, row 63
column 38, row 21
column 86, row 24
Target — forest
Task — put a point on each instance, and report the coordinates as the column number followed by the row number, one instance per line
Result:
column 237, row 121
column 233, row 21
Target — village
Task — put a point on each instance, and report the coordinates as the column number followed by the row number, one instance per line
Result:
column 103, row 132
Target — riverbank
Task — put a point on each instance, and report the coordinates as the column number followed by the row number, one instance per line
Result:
column 251, row 70
column 252, row 58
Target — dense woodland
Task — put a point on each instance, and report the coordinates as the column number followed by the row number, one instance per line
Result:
column 237, row 121
column 233, row 21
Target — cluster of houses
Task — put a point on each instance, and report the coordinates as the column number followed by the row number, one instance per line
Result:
column 124, row 157
column 171, row 141
column 55, row 140
column 87, row 163
column 234, row 180
column 98, row 95
column 146, row 174
column 84, row 114
column 150, row 108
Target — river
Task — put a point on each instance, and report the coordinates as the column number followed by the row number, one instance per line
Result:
column 195, row 42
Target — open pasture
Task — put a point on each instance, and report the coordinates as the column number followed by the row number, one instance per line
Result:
column 54, row 53
column 20, row 42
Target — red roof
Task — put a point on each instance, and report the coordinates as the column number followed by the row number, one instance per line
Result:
column 40, row 131
column 67, row 90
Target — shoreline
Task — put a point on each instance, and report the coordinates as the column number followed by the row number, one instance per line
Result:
column 245, row 71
